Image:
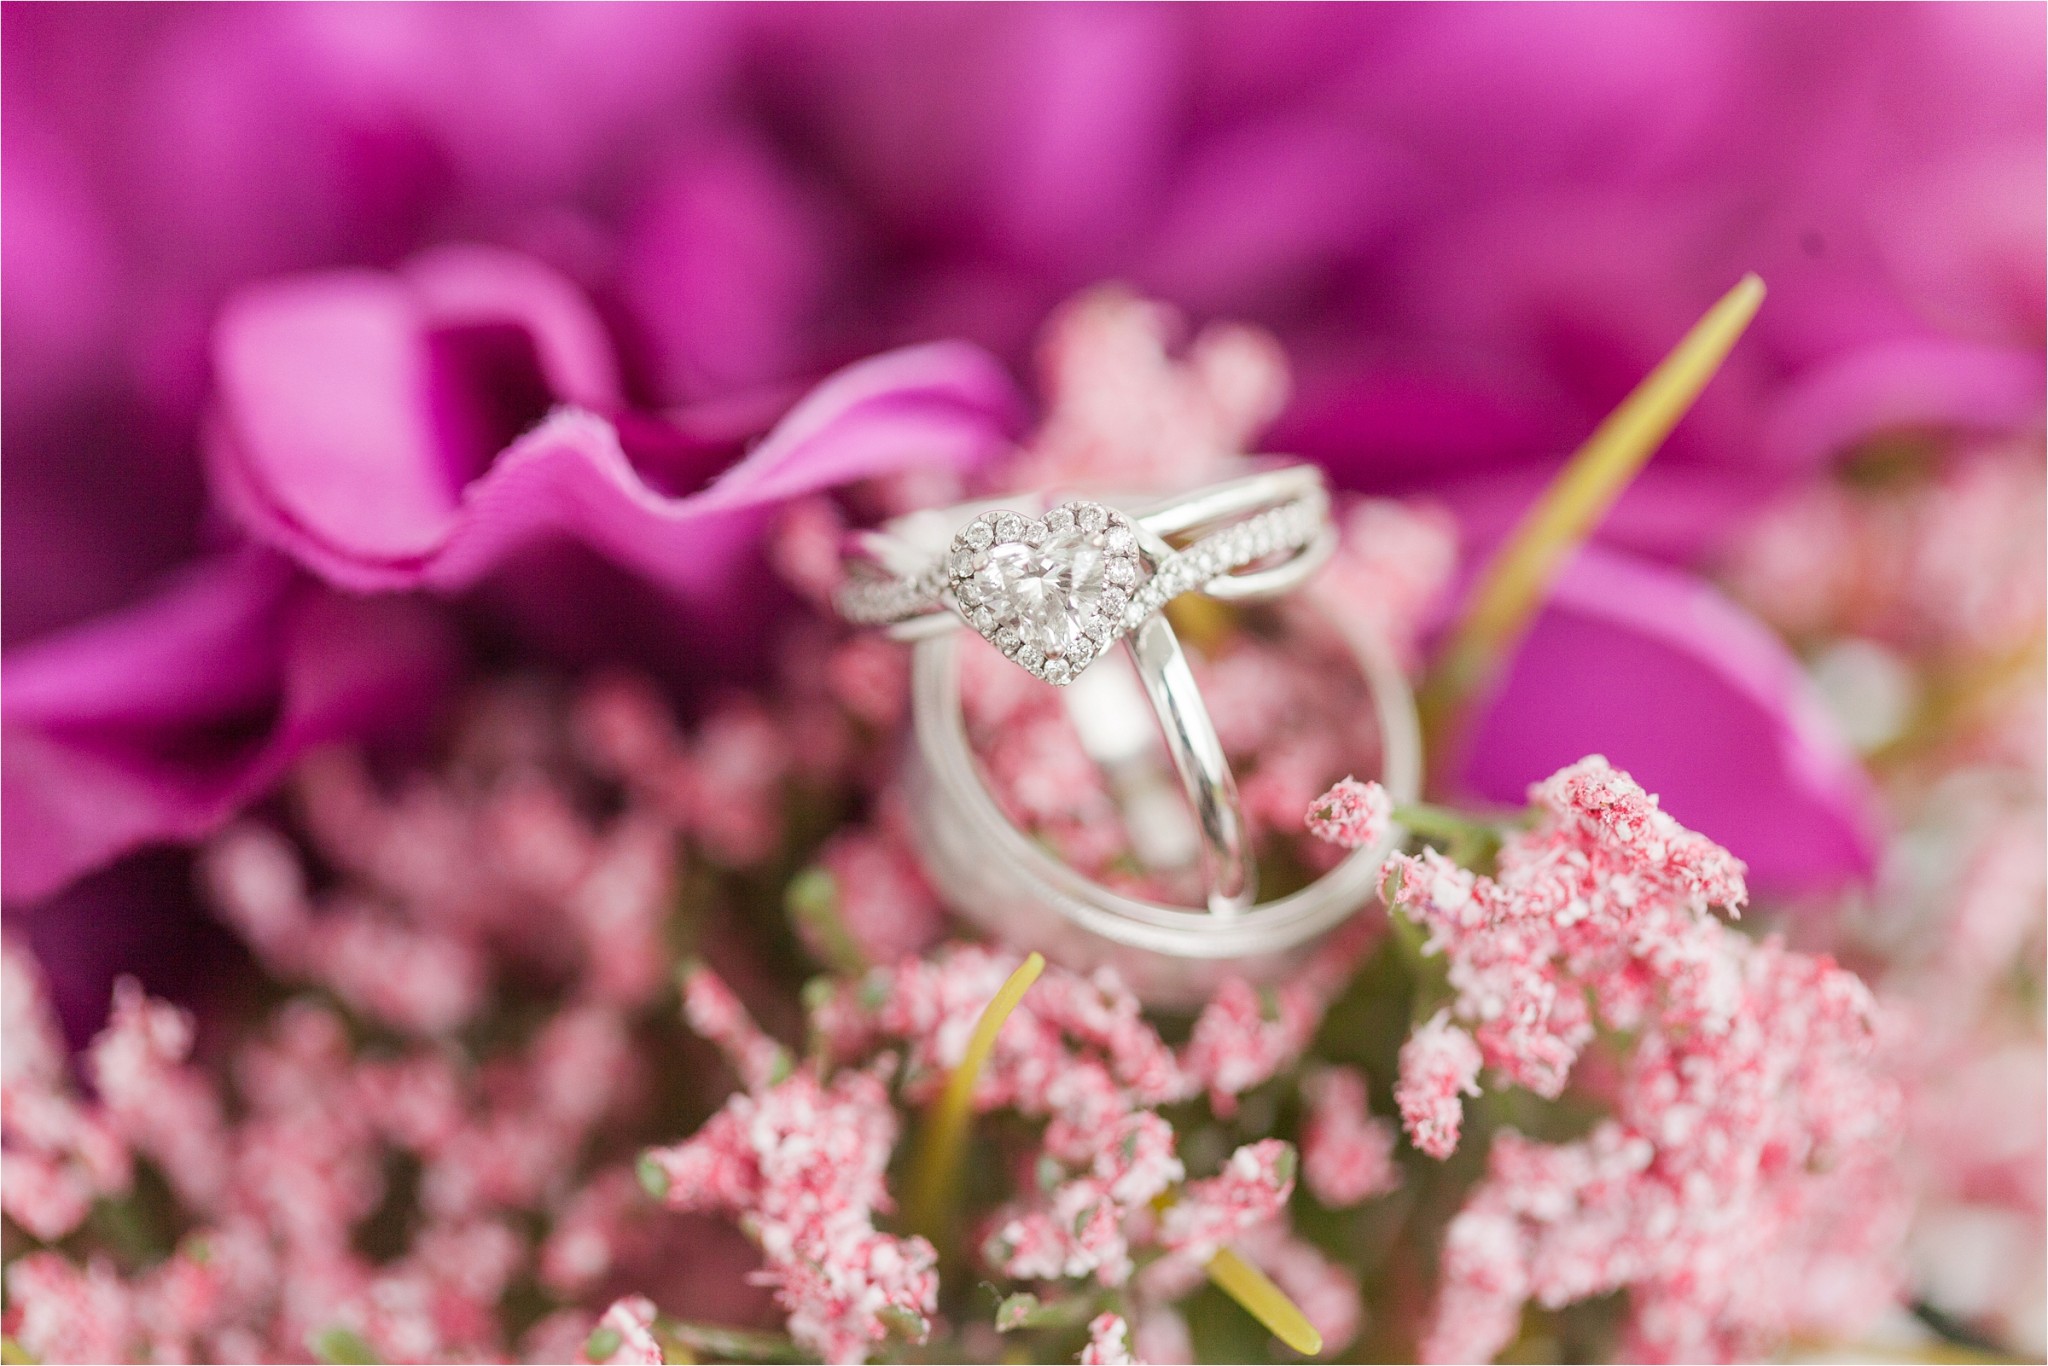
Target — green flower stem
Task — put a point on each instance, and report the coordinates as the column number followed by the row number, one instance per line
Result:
column 1470, row 842
column 682, row 1341
column 936, row 1174
column 1513, row 586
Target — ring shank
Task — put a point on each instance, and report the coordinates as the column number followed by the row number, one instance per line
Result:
column 1229, row 873
column 1016, row 888
column 1263, row 513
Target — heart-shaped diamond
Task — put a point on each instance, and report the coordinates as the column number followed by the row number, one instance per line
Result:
column 1048, row 592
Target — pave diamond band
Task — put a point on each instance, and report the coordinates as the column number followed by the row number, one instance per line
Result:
column 1054, row 587
column 1052, row 592
column 1294, row 527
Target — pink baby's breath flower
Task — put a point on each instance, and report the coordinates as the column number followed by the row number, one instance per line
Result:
column 62, row 1313
column 803, row 1165
column 1125, row 413
column 1109, row 1342
column 422, row 983
column 1484, row 1280
column 716, row 1014
column 1352, row 814
column 1072, row 1041
column 159, row 1105
column 1602, row 905
column 1346, row 1154
column 624, row 1335
column 557, row 1337
column 805, row 547
column 1745, row 1166
column 619, row 906
column 623, row 729
column 1139, row 1162
column 537, row 837
column 1625, row 824
column 62, row 1154
column 1439, row 1067
column 259, row 888
column 48, row 1196
column 34, row 1055
column 879, row 896
column 736, row 770
column 1252, row 1188
column 1391, row 568
column 1292, row 772
column 870, row 677
column 1244, row 1036
column 584, row 1242
column 1078, row 1231
column 578, row 1068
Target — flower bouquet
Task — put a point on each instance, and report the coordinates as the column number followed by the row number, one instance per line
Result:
column 472, row 893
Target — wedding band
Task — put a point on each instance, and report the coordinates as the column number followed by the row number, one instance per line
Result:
column 1053, row 590
column 1015, row 887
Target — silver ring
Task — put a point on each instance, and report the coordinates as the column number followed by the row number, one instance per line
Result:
column 1053, row 590
column 898, row 579
column 1012, row 885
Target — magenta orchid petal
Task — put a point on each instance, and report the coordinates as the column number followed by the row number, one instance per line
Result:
column 348, row 468
column 1700, row 702
column 1931, row 383
column 317, row 436
column 478, row 286
column 1267, row 206
column 722, row 270
column 189, row 651
column 335, row 418
column 159, row 722
column 936, row 405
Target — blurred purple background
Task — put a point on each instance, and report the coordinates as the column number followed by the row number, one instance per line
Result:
column 1473, row 228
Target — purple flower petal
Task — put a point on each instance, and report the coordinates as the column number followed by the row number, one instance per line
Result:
column 1696, row 699
column 723, row 271
column 347, row 441
column 1916, row 384
column 160, row 721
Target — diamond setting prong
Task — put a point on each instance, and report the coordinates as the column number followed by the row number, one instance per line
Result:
column 1050, row 592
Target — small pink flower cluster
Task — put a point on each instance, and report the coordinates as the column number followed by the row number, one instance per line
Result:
column 500, row 868
column 61, row 1154
column 868, row 888
column 276, row 1195
column 1605, row 899
column 1393, row 564
column 627, row 1329
column 497, row 865
column 1078, row 1054
column 1746, row 1190
column 1245, row 1036
column 1351, row 814
column 1347, row 1155
column 1124, row 412
column 801, row 1163
column 1439, row 1068
column 1936, row 565
column 1749, row 1158
column 1251, row 1189
column 1109, row 1342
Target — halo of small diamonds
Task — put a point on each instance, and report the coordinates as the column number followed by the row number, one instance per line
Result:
column 1054, row 592
column 1049, row 592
